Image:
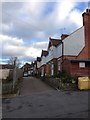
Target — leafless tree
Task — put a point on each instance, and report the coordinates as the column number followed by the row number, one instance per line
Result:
column 14, row 61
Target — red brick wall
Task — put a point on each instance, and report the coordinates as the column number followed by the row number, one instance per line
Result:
column 49, row 67
column 43, row 67
column 74, row 69
column 66, row 66
column 55, row 66
column 85, row 53
column 65, row 57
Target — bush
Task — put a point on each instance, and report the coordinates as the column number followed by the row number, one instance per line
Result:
column 66, row 78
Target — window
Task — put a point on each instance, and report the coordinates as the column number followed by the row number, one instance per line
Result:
column 82, row 64
column 52, row 69
column 42, row 72
column 58, row 65
column 87, row 64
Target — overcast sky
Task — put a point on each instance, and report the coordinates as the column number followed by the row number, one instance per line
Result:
column 27, row 25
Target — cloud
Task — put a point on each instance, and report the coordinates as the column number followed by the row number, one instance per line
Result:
column 27, row 19
column 40, row 45
column 76, row 14
column 16, row 47
column 27, row 26
column 64, row 8
column 10, row 40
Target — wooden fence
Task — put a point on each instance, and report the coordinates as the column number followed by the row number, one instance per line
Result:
column 7, row 88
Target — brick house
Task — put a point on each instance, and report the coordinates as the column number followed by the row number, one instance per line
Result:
column 77, row 67
column 51, row 58
column 70, row 53
column 43, row 62
column 38, row 64
column 27, row 69
column 80, row 64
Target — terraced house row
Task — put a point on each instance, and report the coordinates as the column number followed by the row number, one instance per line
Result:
column 70, row 53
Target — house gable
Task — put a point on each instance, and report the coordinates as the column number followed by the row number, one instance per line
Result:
column 74, row 43
column 53, row 42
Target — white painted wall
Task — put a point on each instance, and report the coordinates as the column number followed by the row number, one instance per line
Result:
column 38, row 64
column 43, row 60
column 52, row 53
column 59, row 51
column 74, row 43
column 49, row 56
column 4, row 73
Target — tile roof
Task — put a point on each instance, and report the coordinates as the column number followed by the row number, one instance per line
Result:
column 38, row 59
column 54, row 42
column 6, row 66
column 63, row 36
column 44, row 53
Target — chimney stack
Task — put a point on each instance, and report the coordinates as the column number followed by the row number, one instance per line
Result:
column 63, row 36
column 86, row 15
column 86, row 24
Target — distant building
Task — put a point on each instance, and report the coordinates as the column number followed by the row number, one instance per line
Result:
column 43, row 62
column 6, row 66
column 27, row 69
column 6, row 71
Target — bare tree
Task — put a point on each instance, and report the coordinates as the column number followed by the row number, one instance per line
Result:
column 14, row 61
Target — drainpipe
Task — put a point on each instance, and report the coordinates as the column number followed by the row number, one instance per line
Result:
column 62, row 54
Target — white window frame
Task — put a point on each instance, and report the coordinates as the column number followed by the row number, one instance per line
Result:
column 59, row 66
column 81, row 64
column 52, row 71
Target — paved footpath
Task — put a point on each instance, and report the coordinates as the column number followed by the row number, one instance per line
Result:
column 32, row 85
column 38, row 100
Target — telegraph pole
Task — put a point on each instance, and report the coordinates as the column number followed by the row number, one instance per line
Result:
column 14, row 72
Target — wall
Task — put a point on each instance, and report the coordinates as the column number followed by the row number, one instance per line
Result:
column 86, row 22
column 49, row 67
column 59, row 51
column 74, row 43
column 43, row 60
column 11, row 86
column 19, row 73
column 52, row 53
column 43, row 70
column 4, row 73
column 74, row 69
column 38, row 64
column 66, row 66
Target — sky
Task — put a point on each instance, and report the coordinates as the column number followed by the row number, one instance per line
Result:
column 26, row 25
